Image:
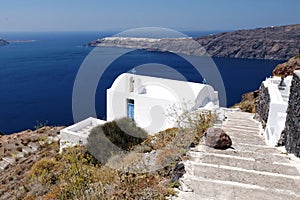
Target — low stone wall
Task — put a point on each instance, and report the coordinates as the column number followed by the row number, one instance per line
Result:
column 263, row 104
column 78, row 133
column 291, row 133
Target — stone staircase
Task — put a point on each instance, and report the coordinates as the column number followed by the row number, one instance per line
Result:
column 251, row 170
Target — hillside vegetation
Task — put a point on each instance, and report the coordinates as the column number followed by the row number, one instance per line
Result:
column 43, row 173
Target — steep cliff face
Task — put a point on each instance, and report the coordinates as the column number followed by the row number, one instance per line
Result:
column 3, row 42
column 275, row 43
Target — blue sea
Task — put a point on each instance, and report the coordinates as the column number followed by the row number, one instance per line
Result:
column 37, row 78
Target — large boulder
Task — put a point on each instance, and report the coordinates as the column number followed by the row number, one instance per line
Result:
column 217, row 138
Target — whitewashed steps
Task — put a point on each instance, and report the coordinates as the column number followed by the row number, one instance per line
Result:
column 226, row 190
column 272, row 154
column 258, row 164
column 252, row 170
column 245, row 176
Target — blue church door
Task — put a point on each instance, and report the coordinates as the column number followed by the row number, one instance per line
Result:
column 130, row 108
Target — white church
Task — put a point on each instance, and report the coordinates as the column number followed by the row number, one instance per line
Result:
column 147, row 100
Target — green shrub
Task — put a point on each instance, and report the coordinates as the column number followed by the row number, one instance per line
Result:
column 114, row 137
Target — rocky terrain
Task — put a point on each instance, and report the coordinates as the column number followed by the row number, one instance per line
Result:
column 275, row 43
column 31, row 166
column 287, row 68
column 249, row 100
column 3, row 42
column 18, row 153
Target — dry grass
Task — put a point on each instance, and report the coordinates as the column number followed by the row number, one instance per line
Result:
column 246, row 106
column 76, row 174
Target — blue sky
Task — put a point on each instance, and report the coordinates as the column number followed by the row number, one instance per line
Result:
column 86, row 15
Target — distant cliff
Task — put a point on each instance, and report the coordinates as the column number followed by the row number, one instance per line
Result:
column 275, row 43
column 186, row 46
column 3, row 42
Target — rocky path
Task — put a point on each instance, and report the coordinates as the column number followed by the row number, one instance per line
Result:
column 250, row 171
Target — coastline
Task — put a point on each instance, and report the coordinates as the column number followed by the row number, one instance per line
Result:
column 271, row 43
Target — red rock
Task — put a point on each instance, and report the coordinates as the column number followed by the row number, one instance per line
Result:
column 217, row 138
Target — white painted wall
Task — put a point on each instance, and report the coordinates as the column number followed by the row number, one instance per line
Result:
column 154, row 98
column 277, row 109
column 78, row 133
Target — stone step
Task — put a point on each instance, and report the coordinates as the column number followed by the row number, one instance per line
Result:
column 242, row 128
column 252, row 170
column 240, row 175
column 214, row 190
column 259, row 164
column 276, row 157
column 248, row 140
column 236, row 129
column 239, row 118
column 239, row 114
column 241, row 123
column 252, row 147
column 242, row 131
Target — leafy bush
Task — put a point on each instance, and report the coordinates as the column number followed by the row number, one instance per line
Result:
column 114, row 137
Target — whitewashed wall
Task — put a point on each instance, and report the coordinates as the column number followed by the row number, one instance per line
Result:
column 154, row 98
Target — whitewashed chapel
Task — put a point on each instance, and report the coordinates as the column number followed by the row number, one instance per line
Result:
column 147, row 100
